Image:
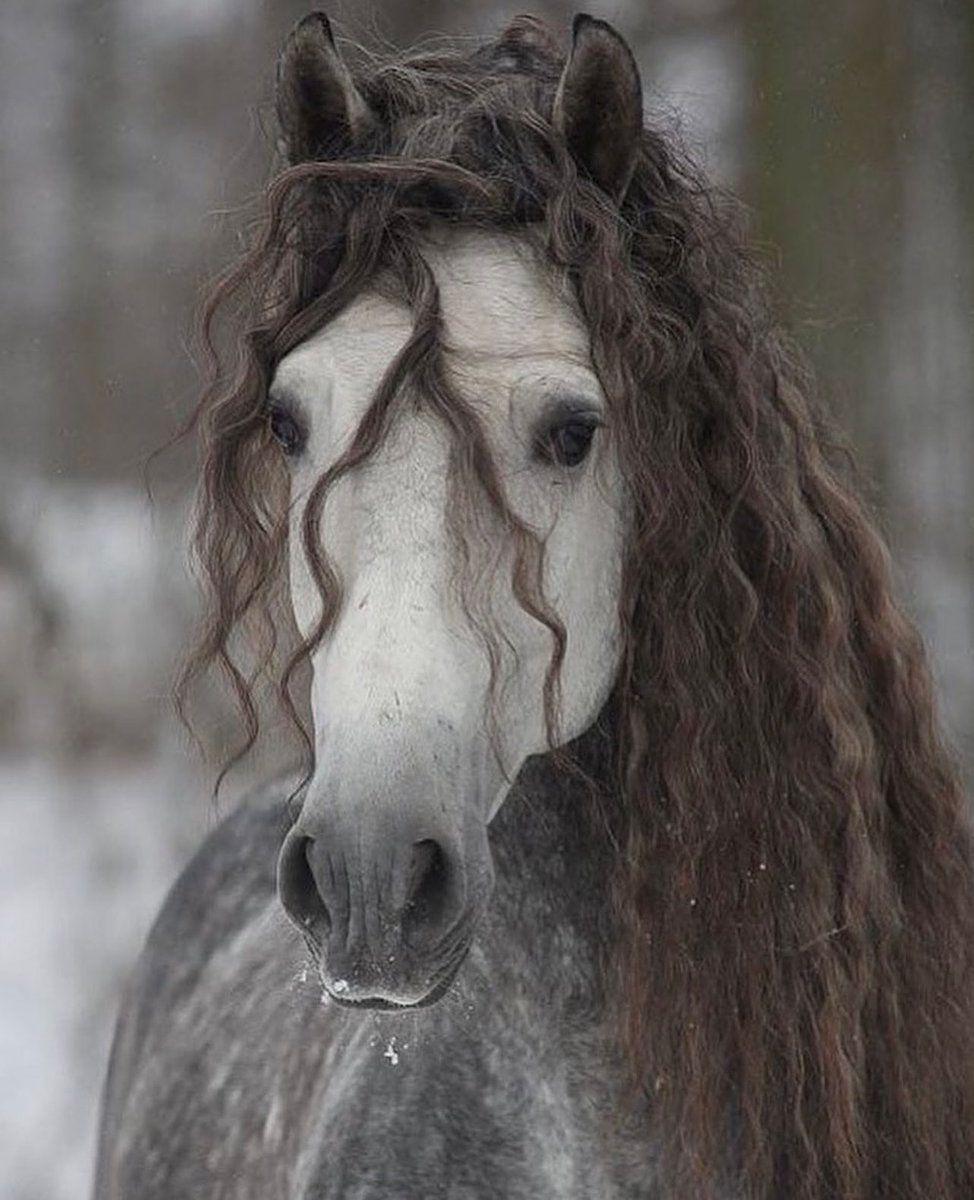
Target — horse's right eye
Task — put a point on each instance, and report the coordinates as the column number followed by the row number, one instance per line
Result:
column 285, row 430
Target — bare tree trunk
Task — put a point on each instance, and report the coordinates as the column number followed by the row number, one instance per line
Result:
column 83, row 426
column 829, row 103
column 929, row 360
column 860, row 170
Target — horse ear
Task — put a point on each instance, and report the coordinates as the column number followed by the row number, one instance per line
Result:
column 598, row 106
column 319, row 108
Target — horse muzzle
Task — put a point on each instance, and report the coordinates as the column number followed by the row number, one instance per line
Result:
column 388, row 904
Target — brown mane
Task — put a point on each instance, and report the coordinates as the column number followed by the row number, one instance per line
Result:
column 795, row 891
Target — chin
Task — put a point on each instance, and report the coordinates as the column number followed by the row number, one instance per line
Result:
column 387, row 997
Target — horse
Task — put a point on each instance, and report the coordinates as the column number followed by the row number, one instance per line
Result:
column 629, row 860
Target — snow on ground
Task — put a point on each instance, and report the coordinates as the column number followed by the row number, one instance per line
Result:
column 86, row 856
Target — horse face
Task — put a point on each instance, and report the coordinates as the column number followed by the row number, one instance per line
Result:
column 417, row 739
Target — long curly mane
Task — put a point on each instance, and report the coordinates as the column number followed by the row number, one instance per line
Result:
column 794, row 974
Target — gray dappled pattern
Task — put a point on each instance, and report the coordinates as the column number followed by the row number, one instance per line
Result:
column 231, row 1077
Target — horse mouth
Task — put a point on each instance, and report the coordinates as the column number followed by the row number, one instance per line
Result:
column 441, row 983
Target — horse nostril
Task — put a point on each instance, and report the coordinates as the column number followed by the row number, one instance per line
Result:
column 298, row 888
column 427, row 894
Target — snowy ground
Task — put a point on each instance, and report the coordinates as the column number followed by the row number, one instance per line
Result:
column 100, row 800
column 85, row 859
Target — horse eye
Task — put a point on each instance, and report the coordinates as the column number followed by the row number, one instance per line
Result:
column 568, row 443
column 285, row 430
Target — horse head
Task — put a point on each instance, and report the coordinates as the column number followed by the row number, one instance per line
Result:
column 471, row 516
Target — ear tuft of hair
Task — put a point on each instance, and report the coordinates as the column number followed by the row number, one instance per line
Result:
column 320, row 110
column 527, row 40
column 598, row 107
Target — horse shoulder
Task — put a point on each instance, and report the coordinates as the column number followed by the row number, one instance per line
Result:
column 225, row 892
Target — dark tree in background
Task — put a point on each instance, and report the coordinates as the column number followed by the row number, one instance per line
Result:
column 859, row 167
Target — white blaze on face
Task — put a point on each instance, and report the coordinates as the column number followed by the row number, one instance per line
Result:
column 401, row 667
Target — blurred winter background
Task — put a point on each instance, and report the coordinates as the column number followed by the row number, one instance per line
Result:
column 131, row 132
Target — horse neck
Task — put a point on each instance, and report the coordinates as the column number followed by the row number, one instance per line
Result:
column 554, row 849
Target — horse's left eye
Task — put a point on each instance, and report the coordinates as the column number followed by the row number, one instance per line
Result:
column 568, row 442
column 285, row 430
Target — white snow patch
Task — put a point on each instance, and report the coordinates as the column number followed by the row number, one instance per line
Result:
column 86, row 854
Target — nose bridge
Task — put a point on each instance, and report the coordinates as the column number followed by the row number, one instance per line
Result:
column 400, row 494
column 397, row 672
column 385, row 772
column 400, row 654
